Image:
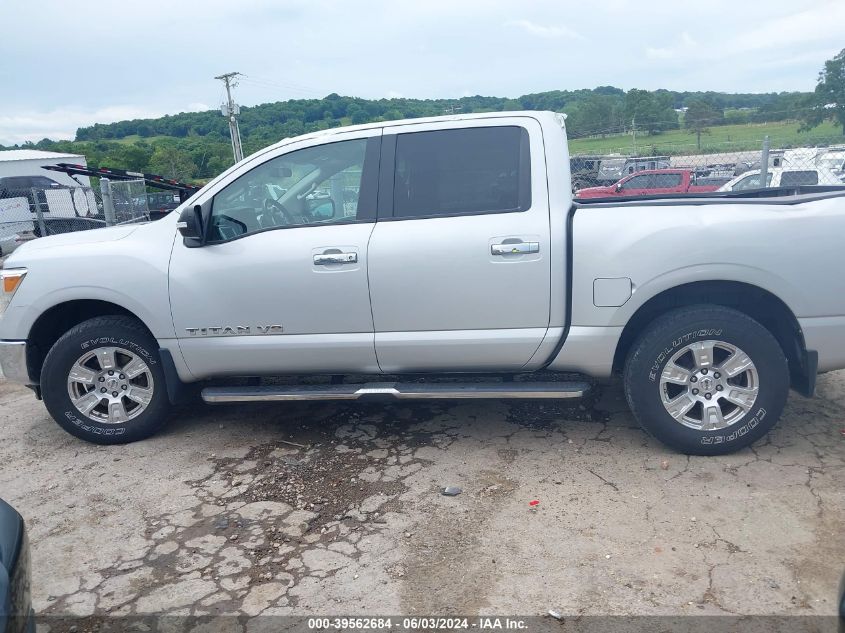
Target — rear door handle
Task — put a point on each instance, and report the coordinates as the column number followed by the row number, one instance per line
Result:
column 517, row 248
column 335, row 258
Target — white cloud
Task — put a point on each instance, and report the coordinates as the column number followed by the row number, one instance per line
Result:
column 684, row 47
column 437, row 48
column 779, row 34
column 62, row 123
column 541, row 30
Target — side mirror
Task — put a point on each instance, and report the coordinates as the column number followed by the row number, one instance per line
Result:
column 618, row 187
column 190, row 226
column 321, row 208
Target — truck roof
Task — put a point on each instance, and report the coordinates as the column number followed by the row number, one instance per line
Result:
column 537, row 114
column 34, row 154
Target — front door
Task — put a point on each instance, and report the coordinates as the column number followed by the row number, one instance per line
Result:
column 459, row 261
column 280, row 284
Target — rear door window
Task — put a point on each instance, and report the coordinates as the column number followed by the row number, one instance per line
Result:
column 462, row 172
column 751, row 181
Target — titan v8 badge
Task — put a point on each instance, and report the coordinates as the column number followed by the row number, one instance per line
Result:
column 234, row 330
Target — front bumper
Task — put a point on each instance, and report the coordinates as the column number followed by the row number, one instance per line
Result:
column 13, row 362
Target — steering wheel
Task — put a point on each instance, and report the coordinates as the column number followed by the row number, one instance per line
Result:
column 278, row 211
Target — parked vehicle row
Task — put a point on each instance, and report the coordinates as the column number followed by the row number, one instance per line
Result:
column 595, row 174
column 653, row 182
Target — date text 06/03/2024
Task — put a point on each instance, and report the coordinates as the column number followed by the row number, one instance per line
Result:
column 485, row 623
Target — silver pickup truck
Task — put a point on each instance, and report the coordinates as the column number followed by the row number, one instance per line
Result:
column 434, row 258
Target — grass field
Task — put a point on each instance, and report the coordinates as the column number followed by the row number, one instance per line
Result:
column 134, row 138
column 724, row 138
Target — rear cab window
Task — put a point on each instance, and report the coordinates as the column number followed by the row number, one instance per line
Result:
column 796, row 178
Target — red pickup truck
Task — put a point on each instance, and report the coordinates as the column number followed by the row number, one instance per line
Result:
column 650, row 182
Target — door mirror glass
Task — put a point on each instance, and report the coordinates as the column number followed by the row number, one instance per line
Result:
column 190, row 225
column 321, row 208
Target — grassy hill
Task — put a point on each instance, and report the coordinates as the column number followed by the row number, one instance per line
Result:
column 196, row 146
column 723, row 138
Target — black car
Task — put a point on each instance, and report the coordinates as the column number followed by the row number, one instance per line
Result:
column 15, row 603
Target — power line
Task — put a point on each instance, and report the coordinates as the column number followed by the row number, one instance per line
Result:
column 260, row 82
column 231, row 110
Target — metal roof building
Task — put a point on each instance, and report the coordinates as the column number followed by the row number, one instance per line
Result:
column 28, row 162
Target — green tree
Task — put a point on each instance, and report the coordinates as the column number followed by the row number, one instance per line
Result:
column 173, row 163
column 828, row 99
column 597, row 114
column 700, row 115
column 650, row 111
column 132, row 156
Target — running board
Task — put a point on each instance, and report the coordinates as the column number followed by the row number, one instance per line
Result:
column 397, row 390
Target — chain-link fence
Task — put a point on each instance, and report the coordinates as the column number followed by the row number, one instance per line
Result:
column 29, row 213
column 634, row 163
column 124, row 201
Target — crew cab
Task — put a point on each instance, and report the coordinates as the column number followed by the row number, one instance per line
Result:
column 434, row 258
column 648, row 183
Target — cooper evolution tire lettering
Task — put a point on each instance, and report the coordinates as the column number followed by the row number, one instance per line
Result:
column 120, row 342
column 682, row 340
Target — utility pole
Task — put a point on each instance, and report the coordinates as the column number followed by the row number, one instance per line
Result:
column 764, row 164
column 231, row 110
column 634, row 134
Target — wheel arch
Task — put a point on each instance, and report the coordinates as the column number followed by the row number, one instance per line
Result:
column 758, row 303
column 58, row 319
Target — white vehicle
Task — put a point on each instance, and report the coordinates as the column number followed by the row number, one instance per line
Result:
column 833, row 159
column 783, row 177
column 447, row 247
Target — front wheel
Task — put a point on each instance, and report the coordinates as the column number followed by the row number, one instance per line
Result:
column 706, row 380
column 103, row 382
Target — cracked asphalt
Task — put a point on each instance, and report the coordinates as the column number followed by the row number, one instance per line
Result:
column 327, row 509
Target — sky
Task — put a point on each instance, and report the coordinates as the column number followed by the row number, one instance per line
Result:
column 72, row 64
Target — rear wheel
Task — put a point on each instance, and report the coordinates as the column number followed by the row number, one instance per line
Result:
column 706, row 380
column 102, row 381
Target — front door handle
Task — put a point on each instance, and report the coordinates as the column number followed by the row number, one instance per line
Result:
column 517, row 248
column 335, row 258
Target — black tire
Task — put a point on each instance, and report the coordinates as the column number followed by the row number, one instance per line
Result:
column 123, row 333
column 671, row 333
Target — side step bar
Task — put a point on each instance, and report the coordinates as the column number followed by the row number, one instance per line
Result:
column 397, row 390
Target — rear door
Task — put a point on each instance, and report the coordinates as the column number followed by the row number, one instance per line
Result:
column 459, row 264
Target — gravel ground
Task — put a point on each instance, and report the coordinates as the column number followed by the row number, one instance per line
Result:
column 336, row 509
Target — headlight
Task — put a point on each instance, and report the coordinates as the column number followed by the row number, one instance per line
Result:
column 10, row 281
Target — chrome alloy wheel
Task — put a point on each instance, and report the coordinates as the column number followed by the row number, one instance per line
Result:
column 110, row 385
column 709, row 385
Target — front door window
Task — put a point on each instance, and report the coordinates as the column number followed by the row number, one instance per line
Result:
column 312, row 186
